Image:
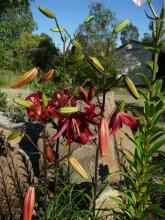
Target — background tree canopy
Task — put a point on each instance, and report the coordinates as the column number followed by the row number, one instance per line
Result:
column 95, row 35
column 129, row 33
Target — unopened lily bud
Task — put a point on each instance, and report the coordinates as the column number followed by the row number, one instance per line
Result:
column 78, row 58
column 96, row 64
column 44, row 100
column 77, row 166
column 131, row 86
column 23, row 103
column 46, row 76
column 82, row 93
column 68, row 110
column 50, row 155
column 29, row 201
column 121, row 26
column 91, row 93
column 46, row 12
column 24, row 79
column 76, row 44
column 103, row 137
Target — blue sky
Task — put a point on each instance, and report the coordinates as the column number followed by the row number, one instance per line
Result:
column 70, row 13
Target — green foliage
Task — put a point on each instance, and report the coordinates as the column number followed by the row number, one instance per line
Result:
column 94, row 35
column 3, row 101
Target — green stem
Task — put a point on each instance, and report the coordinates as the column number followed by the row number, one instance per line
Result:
column 95, row 184
column 45, row 169
column 69, row 171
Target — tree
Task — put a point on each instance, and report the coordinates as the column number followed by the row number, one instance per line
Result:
column 129, row 33
column 94, row 35
column 15, row 18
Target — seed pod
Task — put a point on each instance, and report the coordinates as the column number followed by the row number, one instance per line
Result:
column 46, row 76
column 46, row 12
column 56, row 29
column 27, row 77
column 88, row 19
column 77, row 166
column 103, row 137
column 131, row 87
column 14, row 135
column 44, row 100
column 23, row 103
column 76, row 44
column 68, row 110
column 29, row 201
column 121, row 26
column 78, row 58
column 96, row 64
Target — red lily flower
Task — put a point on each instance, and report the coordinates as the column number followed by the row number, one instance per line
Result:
column 117, row 119
column 37, row 110
column 73, row 126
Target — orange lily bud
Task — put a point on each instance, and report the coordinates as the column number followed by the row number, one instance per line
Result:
column 46, row 76
column 77, row 166
column 82, row 93
column 27, row 77
column 29, row 201
column 91, row 93
column 103, row 137
column 50, row 155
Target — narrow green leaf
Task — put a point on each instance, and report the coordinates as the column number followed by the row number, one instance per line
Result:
column 155, row 147
column 158, row 87
column 14, row 135
column 145, row 79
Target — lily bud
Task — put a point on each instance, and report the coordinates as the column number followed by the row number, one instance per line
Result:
column 46, row 12
column 77, row 166
column 131, row 86
column 96, row 64
column 50, row 155
column 121, row 26
column 82, row 93
column 103, row 137
column 44, row 100
column 139, row 2
column 29, row 201
column 27, row 77
column 76, row 44
column 78, row 58
column 68, row 110
column 88, row 19
column 23, row 103
column 46, row 76
column 91, row 93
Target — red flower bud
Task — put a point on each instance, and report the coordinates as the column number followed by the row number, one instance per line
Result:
column 83, row 93
column 50, row 155
column 29, row 201
column 103, row 137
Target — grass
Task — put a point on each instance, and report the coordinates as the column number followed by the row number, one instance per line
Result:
column 7, row 78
